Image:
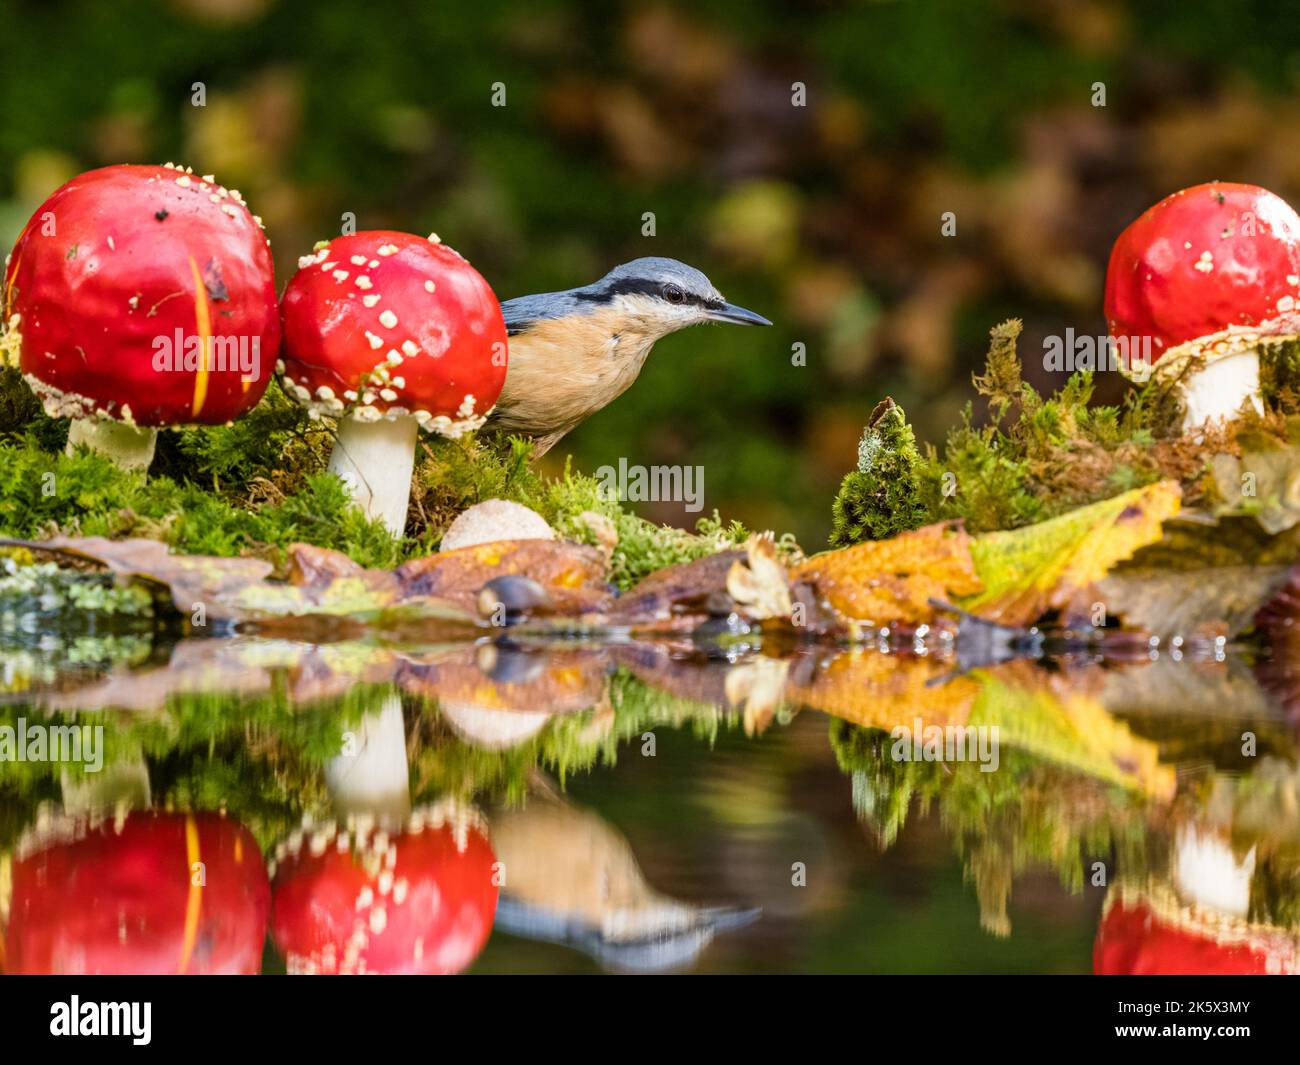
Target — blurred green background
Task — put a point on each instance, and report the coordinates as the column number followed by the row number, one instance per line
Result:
column 825, row 217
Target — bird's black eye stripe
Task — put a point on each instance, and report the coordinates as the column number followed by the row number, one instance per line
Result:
column 641, row 287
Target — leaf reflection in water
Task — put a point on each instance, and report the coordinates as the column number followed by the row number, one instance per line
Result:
column 1097, row 761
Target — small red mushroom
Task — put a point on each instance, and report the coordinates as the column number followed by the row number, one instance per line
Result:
column 140, row 297
column 1190, row 284
column 139, row 893
column 359, row 899
column 390, row 333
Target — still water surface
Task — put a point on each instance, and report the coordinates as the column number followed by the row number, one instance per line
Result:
column 647, row 807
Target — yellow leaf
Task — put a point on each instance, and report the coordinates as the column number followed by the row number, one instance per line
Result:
column 1026, row 572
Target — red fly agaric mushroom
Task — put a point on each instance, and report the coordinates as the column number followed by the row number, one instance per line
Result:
column 141, row 297
column 1190, row 283
column 136, row 894
column 390, row 333
column 389, row 890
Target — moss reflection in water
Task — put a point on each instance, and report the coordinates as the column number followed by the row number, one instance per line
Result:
column 1076, row 785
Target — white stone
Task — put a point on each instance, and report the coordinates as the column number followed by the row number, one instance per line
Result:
column 496, row 519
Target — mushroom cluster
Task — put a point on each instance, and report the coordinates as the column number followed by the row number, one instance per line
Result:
column 1192, row 286
column 139, row 297
column 390, row 333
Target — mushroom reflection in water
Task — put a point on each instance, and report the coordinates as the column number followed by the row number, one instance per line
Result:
column 390, row 889
column 109, row 887
column 1197, row 922
column 571, row 878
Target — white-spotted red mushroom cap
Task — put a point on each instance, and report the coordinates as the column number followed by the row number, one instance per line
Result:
column 384, row 324
column 144, row 294
column 1196, row 269
column 357, row 899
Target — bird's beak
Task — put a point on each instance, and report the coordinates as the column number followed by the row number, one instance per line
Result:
column 729, row 312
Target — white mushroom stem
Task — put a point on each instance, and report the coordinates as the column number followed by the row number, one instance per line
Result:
column 371, row 777
column 375, row 460
column 129, row 446
column 1207, row 873
column 1217, row 392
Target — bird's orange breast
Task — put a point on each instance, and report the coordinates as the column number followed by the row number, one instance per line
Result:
column 563, row 370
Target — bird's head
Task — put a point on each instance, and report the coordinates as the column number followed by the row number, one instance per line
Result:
column 660, row 296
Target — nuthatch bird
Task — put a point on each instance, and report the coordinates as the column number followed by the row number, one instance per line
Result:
column 574, row 352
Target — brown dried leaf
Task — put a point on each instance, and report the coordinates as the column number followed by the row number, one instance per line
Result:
column 572, row 574
column 759, row 584
column 1189, row 603
column 674, row 588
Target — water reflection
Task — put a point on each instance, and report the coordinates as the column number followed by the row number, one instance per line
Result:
column 507, row 803
column 572, row 878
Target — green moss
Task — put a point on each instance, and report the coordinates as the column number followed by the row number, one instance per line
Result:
column 1037, row 457
column 452, row 475
column 85, row 494
column 252, row 487
column 268, row 451
column 885, row 494
column 1279, row 374
column 18, row 405
column 258, row 485
column 1033, row 458
column 570, row 501
column 982, row 481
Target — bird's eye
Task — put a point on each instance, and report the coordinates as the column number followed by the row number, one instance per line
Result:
column 673, row 294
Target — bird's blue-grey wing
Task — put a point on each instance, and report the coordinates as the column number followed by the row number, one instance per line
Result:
column 525, row 311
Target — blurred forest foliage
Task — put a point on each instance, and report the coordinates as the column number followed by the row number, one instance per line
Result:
column 825, row 217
